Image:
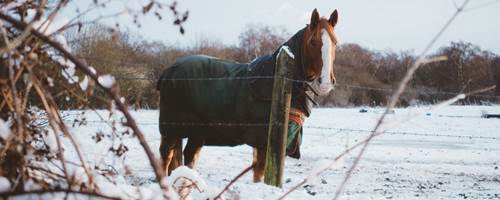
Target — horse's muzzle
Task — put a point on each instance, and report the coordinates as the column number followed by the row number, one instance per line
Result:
column 325, row 88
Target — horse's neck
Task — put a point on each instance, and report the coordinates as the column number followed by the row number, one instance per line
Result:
column 266, row 64
column 295, row 44
column 299, row 99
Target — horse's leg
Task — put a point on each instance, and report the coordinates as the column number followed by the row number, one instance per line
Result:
column 164, row 153
column 167, row 149
column 177, row 156
column 192, row 151
column 259, row 162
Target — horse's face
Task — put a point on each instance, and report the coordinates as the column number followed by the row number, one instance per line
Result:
column 319, row 46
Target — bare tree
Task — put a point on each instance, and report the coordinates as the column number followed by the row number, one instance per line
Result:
column 258, row 40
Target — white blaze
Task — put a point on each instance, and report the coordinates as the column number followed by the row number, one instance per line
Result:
column 326, row 55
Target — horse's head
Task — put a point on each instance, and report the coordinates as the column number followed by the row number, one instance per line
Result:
column 318, row 47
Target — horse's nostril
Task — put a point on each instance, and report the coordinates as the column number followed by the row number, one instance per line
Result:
column 319, row 80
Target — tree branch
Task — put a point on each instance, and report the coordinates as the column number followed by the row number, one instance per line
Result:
column 112, row 94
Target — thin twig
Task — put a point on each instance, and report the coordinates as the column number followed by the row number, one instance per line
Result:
column 55, row 129
column 394, row 99
column 185, row 186
column 234, row 180
column 46, row 171
column 25, row 32
column 91, row 7
column 48, row 21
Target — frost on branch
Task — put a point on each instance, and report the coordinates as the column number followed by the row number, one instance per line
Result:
column 50, row 81
column 69, row 73
column 85, row 83
column 183, row 179
column 92, row 70
column 69, row 68
column 106, row 80
column 4, row 129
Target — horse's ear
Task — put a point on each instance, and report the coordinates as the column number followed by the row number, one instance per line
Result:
column 333, row 18
column 314, row 18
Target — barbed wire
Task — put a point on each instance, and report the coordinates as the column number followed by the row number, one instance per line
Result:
column 207, row 124
column 211, row 78
column 341, row 130
column 194, row 79
column 405, row 133
column 387, row 90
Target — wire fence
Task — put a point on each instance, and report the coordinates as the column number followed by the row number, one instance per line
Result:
column 359, row 87
column 325, row 128
column 338, row 129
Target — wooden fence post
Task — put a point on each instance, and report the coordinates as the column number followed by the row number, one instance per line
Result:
column 278, row 120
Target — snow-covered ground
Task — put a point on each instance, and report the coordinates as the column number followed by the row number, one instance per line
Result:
column 450, row 153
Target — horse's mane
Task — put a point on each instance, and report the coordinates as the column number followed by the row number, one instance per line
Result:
column 295, row 44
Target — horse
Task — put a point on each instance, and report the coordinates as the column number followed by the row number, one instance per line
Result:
column 211, row 101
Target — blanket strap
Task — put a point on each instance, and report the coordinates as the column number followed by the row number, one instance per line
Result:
column 297, row 116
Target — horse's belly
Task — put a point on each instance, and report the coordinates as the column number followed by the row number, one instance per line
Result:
column 220, row 134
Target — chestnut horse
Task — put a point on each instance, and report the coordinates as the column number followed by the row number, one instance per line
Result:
column 218, row 102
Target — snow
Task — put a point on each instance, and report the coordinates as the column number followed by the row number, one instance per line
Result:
column 5, row 129
column 50, row 81
column 11, row 5
column 31, row 185
column 4, row 184
column 400, row 164
column 69, row 73
column 85, row 83
column 106, row 80
column 323, row 165
column 62, row 41
column 185, row 175
column 50, row 140
column 92, row 70
column 287, row 51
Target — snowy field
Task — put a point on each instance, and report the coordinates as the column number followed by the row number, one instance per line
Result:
column 450, row 153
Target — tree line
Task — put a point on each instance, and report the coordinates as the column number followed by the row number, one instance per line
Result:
column 364, row 76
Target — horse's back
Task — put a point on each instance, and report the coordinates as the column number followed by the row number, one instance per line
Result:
column 202, row 88
column 201, row 66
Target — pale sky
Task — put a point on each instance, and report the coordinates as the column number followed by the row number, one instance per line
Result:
column 376, row 24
